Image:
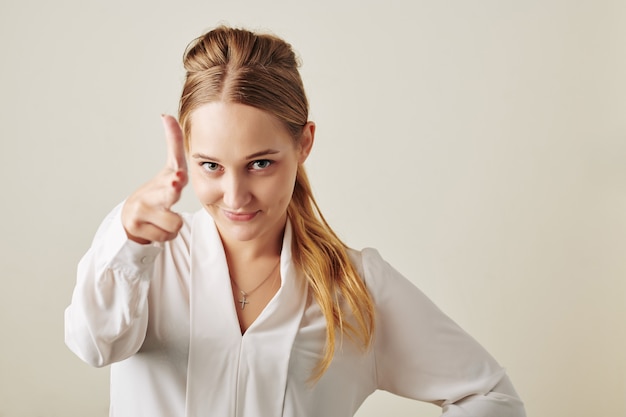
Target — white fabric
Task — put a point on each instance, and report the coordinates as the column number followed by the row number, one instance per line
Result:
column 163, row 316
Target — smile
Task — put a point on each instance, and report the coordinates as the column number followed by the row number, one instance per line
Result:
column 239, row 217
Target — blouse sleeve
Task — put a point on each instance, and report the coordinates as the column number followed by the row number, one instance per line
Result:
column 107, row 319
column 422, row 354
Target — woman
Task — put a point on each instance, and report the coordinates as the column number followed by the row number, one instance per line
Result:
column 252, row 306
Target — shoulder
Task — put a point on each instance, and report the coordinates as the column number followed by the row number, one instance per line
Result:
column 188, row 220
column 387, row 286
column 191, row 221
column 181, row 245
column 365, row 260
column 379, row 276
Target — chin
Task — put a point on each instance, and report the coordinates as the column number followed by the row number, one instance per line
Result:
column 239, row 233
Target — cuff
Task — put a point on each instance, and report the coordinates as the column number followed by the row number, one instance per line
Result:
column 118, row 252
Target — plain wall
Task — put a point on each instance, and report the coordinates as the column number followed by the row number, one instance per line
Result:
column 479, row 145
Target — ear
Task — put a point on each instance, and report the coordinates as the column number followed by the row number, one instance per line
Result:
column 306, row 141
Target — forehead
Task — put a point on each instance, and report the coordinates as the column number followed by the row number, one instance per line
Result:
column 235, row 129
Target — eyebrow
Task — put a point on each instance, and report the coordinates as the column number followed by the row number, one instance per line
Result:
column 251, row 156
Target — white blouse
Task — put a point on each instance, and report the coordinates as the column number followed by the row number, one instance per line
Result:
column 163, row 316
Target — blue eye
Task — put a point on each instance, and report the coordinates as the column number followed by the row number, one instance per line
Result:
column 260, row 164
column 210, row 166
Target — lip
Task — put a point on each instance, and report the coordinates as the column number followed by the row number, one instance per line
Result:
column 239, row 217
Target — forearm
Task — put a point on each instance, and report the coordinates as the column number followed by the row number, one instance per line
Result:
column 107, row 318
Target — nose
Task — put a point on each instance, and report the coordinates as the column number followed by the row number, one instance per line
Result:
column 236, row 192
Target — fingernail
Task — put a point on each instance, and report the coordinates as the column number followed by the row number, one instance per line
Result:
column 179, row 174
column 175, row 184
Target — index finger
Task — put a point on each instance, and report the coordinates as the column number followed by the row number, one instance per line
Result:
column 176, row 159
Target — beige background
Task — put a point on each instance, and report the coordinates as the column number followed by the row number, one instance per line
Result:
column 479, row 145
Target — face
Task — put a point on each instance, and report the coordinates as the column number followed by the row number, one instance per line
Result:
column 243, row 165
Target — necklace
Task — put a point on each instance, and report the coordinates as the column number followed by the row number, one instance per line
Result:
column 244, row 300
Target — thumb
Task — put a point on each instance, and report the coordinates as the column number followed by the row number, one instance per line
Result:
column 176, row 159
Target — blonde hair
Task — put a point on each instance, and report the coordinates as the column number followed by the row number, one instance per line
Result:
column 259, row 70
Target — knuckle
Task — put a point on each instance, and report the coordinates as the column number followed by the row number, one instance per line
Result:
column 179, row 223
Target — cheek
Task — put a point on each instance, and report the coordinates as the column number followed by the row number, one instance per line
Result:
column 283, row 188
column 275, row 191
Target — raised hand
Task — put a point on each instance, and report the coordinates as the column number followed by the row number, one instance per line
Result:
column 146, row 214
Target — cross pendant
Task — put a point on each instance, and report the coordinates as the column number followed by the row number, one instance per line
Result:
column 243, row 300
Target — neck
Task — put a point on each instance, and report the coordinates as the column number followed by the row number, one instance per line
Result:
column 266, row 246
